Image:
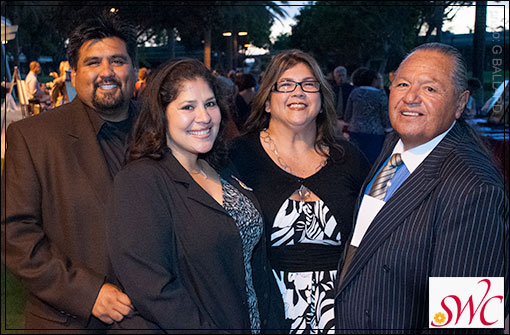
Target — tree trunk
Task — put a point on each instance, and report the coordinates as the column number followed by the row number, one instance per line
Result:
column 438, row 17
column 479, row 40
column 171, row 43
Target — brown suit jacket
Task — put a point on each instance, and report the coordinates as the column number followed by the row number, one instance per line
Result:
column 56, row 188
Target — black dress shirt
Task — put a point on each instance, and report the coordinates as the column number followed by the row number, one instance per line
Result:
column 112, row 137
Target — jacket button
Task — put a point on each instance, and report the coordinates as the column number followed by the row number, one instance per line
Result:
column 367, row 313
column 386, row 268
column 266, row 295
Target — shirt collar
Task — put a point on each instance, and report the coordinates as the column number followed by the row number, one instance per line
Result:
column 95, row 119
column 412, row 158
column 98, row 122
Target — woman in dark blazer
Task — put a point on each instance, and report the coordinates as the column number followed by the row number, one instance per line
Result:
column 185, row 239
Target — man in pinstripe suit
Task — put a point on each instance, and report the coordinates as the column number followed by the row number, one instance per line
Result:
column 443, row 214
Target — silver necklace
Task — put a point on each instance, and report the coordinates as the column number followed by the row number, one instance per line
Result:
column 199, row 171
column 272, row 146
column 303, row 192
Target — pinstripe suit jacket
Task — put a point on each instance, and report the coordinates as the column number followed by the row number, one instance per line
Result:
column 448, row 219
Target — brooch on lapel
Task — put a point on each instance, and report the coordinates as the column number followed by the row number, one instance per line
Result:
column 243, row 185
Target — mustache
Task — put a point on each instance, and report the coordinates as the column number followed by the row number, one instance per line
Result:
column 107, row 81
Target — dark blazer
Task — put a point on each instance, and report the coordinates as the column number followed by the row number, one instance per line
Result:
column 55, row 188
column 448, row 219
column 178, row 254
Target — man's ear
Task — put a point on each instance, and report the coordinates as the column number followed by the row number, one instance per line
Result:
column 461, row 103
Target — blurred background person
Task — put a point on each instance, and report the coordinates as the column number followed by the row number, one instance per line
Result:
column 472, row 108
column 246, row 84
column 187, row 240
column 140, row 84
column 366, row 113
column 342, row 89
column 306, row 181
column 36, row 92
column 58, row 91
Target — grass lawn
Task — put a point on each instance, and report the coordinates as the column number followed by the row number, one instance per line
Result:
column 13, row 302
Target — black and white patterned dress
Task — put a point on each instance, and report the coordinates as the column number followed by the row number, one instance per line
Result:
column 308, row 296
column 249, row 222
column 306, row 260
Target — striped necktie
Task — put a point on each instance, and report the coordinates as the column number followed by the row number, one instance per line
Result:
column 380, row 185
column 378, row 191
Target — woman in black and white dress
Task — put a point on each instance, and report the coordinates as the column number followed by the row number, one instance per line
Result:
column 306, row 181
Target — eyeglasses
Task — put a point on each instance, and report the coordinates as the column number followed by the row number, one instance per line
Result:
column 288, row 86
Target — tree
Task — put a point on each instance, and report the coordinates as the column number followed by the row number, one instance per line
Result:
column 377, row 34
column 434, row 13
column 254, row 17
column 45, row 25
column 356, row 33
column 36, row 36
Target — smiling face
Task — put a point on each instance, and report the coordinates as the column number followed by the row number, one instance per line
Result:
column 295, row 109
column 193, row 120
column 104, row 77
column 423, row 102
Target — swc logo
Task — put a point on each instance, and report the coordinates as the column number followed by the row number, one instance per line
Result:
column 466, row 302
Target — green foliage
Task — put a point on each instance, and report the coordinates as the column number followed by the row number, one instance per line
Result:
column 366, row 33
column 39, row 37
column 356, row 34
column 282, row 42
column 45, row 25
column 13, row 303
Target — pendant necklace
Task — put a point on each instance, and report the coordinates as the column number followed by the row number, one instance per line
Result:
column 303, row 191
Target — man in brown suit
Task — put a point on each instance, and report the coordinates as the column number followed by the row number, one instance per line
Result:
column 58, row 176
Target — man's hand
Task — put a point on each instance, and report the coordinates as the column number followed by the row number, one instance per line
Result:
column 111, row 304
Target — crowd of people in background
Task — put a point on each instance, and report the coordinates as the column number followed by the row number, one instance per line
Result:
column 361, row 117
column 289, row 201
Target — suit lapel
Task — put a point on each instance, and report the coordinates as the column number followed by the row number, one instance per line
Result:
column 88, row 154
column 408, row 196
column 196, row 193
column 193, row 191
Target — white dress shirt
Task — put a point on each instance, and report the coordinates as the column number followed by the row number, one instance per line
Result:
column 371, row 206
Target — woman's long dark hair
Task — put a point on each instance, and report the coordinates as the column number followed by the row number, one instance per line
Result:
column 149, row 134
